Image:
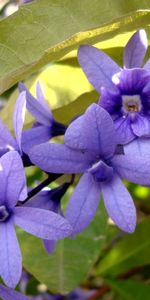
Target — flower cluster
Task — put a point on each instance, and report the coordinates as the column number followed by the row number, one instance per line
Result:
column 106, row 144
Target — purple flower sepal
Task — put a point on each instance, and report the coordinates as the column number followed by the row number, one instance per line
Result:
column 49, row 199
column 89, row 148
column 39, row 222
column 125, row 93
column 45, row 126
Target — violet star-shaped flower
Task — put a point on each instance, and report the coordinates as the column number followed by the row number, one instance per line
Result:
column 90, row 149
column 45, row 127
column 41, row 223
column 125, row 93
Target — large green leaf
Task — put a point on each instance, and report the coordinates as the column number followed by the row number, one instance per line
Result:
column 69, row 264
column 133, row 250
column 44, row 31
column 65, row 86
column 130, row 289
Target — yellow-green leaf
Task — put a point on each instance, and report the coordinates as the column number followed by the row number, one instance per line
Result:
column 44, row 31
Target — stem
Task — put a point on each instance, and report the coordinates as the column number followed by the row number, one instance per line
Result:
column 37, row 189
column 51, row 177
column 106, row 288
column 102, row 291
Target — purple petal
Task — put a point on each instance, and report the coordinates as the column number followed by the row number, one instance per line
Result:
column 135, row 49
column 35, row 107
column 145, row 98
column 35, row 136
column 9, row 294
column 131, row 81
column 83, row 203
column 124, row 132
column 112, row 102
column 4, row 151
column 6, row 139
column 58, row 158
column 119, row 204
column 134, row 168
column 140, row 147
column 26, row 1
column 19, row 116
column 141, row 126
column 43, row 200
column 94, row 131
column 10, row 255
column 98, row 67
column 42, row 223
column 49, row 246
column 147, row 65
column 41, row 99
column 12, row 178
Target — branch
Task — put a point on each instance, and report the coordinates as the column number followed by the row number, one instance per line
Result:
column 106, row 288
column 37, row 189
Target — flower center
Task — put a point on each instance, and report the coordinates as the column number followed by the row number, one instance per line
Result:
column 101, row 171
column 131, row 103
column 4, row 213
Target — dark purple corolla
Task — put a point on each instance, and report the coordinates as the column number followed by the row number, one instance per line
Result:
column 125, row 93
column 45, row 126
column 39, row 222
column 89, row 148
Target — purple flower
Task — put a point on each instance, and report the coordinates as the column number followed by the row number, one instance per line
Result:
column 125, row 93
column 90, row 149
column 80, row 294
column 26, row 1
column 50, row 200
column 45, row 127
column 41, row 223
column 76, row 294
column 9, row 294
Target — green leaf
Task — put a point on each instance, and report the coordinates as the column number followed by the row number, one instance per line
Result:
column 131, row 251
column 68, row 112
column 44, row 31
column 61, row 83
column 130, row 289
column 72, row 260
